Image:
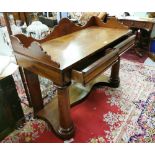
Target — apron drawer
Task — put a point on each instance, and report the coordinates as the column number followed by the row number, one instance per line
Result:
column 87, row 74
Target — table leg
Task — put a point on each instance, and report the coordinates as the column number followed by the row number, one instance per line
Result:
column 25, row 86
column 142, row 41
column 66, row 128
column 34, row 90
column 114, row 78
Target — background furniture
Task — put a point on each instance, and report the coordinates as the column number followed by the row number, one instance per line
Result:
column 143, row 28
column 10, row 107
column 11, row 113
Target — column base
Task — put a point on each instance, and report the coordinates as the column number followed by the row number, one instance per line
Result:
column 114, row 82
column 66, row 133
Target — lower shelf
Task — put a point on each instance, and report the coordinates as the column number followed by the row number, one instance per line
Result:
column 77, row 93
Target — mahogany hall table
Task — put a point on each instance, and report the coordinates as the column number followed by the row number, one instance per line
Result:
column 73, row 57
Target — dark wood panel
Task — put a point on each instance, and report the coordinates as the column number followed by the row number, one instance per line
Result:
column 10, row 106
column 138, row 23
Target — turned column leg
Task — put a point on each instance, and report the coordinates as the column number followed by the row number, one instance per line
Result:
column 66, row 128
column 114, row 78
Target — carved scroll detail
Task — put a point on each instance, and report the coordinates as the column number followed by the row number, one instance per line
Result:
column 66, row 26
column 26, row 41
column 34, row 50
column 31, row 47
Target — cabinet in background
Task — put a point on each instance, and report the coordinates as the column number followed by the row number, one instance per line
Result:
column 10, row 106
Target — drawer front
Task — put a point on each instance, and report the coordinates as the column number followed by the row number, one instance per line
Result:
column 92, row 71
column 87, row 74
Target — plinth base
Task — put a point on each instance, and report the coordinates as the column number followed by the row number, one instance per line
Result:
column 77, row 93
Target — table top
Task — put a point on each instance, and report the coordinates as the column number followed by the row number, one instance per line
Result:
column 69, row 44
column 71, row 48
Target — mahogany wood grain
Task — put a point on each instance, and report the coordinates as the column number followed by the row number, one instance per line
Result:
column 41, row 69
column 66, row 27
column 92, row 71
column 69, row 49
column 34, row 51
column 66, row 128
column 69, row 40
column 34, row 90
column 85, row 75
column 70, row 53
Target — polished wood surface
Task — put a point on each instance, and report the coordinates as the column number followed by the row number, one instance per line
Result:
column 68, row 37
column 33, row 85
column 69, row 49
column 72, row 54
